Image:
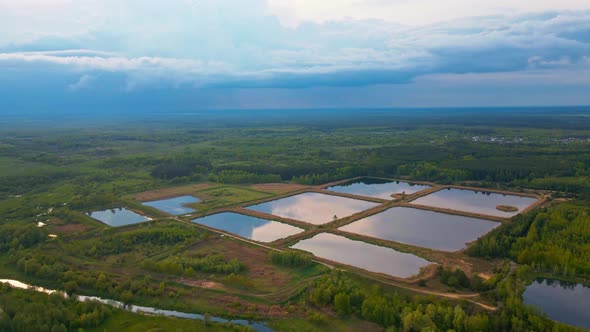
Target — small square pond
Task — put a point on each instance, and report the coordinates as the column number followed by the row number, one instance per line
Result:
column 174, row 206
column 117, row 217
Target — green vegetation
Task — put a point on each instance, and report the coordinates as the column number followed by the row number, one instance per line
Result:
column 457, row 279
column 23, row 311
column 227, row 196
column 397, row 312
column 551, row 240
column 56, row 174
column 29, row 311
column 240, row 177
column 289, row 258
column 214, row 263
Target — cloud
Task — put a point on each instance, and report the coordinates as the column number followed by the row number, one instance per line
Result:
column 346, row 43
column 413, row 13
column 83, row 83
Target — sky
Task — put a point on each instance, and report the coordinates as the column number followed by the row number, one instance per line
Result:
column 216, row 54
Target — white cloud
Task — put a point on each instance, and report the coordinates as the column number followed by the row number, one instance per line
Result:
column 411, row 12
column 83, row 83
column 205, row 42
column 114, row 63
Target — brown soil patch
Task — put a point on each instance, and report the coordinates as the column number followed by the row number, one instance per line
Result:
column 70, row 228
column 278, row 188
column 164, row 193
column 256, row 260
column 201, row 283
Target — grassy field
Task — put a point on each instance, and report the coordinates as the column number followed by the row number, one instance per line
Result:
column 226, row 196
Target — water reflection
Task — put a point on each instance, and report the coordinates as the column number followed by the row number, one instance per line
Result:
column 249, row 227
column 174, row 206
column 118, row 217
column 564, row 302
column 313, row 208
column 378, row 188
column 475, row 201
column 363, row 255
column 422, row 228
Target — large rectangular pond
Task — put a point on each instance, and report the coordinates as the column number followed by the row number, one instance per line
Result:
column 313, row 208
column 252, row 228
column 434, row 230
column 174, row 206
column 378, row 188
column 117, row 217
column 363, row 255
column 564, row 302
column 476, row 201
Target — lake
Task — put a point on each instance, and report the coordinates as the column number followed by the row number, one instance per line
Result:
column 475, row 201
column 252, row 228
column 378, row 188
column 117, row 217
column 363, row 255
column 568, row 303
column 434, row 230
column 174, row 206
column 313, row 208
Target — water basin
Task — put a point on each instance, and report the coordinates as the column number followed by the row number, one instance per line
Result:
column 363, row 255
column 378, row 188
column 476, row 202
column 117, row 217
column 174, row 206
column 252, row 228
column 434, row 230
column 313, row 208
column 564, row 302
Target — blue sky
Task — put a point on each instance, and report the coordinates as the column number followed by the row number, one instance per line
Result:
column 293, row 53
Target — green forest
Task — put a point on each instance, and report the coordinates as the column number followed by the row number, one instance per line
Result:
column 56, row 174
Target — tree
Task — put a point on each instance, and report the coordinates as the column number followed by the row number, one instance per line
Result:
column 342, row 304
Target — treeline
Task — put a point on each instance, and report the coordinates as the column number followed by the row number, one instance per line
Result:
column 148, row 237
column 396, row 312
column 23, row 311
column 338, row 174
column 188, row 266
column 289, row 258
column 551, row 240
column 241, row 177
column 180, row 166
column 579, row 185
column 457, row 279
column 20, row 236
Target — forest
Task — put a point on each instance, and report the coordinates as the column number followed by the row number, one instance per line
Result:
column 58, row 172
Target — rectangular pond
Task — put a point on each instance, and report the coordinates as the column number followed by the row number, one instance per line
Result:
column 378, row 188
column 252, row 228
column 564, row 302
column 434, row 230
column 117, row 217
column 476, row 202
column 313, row 208
column 363, row 255
column 174, row 206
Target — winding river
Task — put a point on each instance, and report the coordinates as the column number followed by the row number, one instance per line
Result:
column 258, row 326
